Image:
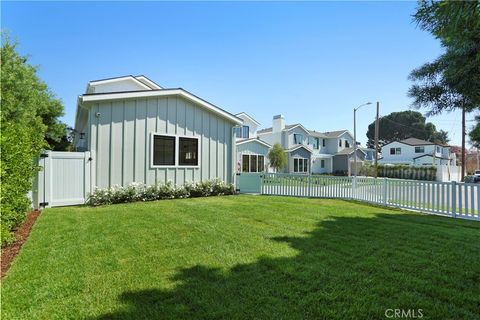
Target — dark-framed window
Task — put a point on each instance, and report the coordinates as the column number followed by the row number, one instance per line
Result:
column 245, row 163
column 245, row 132
column 315, row 142
column 395, row 150
column 297, row 138
column 238, row 132
column 322, row 163
column 323, row 142
column 188, row 151
column 253, row 163
column 300, row 165
column 419, row 149
column 339, row 142
column 347, row 144
column 163, row 150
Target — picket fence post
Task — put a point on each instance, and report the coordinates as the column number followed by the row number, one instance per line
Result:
column 385, row 190
column 454, row 199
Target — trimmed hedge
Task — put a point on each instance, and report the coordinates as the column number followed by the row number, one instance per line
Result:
column 401, row 171
column 141, row 192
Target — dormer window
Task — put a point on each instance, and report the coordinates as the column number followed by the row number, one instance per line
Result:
column 297, row 138
column 339, row 142
column 243, row 132
column 314, row 141
column 347, row 145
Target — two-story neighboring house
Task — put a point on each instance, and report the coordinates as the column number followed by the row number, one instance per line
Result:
column 311, row 151
column 251, row 151
column 415, row 151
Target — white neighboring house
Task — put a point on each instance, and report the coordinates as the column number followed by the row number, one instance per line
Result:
column 418, row 152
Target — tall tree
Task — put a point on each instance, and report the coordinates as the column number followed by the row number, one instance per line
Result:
column 475, row 133
column 403, row 125
column 29, row 119
column 451, row 81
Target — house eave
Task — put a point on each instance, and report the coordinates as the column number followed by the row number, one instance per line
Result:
column 97, row 97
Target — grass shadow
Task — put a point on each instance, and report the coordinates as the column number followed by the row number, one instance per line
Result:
column 347, row 268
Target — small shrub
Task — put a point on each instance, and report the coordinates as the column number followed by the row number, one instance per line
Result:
column 140, row 192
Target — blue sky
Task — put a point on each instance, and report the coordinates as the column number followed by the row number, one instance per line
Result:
column 311, row 62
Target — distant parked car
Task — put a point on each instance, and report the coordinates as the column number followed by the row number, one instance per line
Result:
column 476, row 176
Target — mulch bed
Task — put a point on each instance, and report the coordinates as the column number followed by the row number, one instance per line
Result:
column 21, row 234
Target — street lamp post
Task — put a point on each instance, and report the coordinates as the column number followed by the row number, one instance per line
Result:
column 355, row 137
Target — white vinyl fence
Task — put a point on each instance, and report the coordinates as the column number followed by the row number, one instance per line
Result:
column 64, row 179
column 461, row 200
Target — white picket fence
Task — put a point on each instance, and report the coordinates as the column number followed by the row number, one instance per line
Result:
column 460, row 200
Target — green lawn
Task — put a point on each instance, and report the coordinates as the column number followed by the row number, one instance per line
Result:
column 244, row 257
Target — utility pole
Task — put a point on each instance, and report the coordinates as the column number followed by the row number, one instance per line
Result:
column 462, row 176
column 376, row 140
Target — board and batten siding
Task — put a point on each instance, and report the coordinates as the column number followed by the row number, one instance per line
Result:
column 120, row 134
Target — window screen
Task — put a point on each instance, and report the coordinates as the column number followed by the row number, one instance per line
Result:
column 188, row 152
column 163, row 150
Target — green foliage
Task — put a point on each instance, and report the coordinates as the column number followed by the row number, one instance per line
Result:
column 277, row 157
column 140, row 192
column 402, row 125
column 28, row 121
column 474, row 134
column 401, row 171
column 451, row 81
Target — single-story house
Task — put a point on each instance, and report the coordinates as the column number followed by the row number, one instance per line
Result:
column 138, row 131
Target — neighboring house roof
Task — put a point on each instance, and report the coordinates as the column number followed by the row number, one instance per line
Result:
column 347, row 151
column 141, row 80
column 298, row 147
column 430, row 155
column 254, row 140
column 417, row 142
column 93, row 97
column 330, row 134
column 248, row 116
column 287, row 127
column 317, row 134
column 335, row 134
column 266, row 130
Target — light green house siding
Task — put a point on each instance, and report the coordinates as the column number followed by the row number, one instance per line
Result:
column 251, row 147
column 119, row 132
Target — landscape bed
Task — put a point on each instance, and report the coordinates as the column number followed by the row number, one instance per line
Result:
column 243, row 257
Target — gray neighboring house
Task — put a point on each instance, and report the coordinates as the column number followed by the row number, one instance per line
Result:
column 310, row 151
column 138, row 131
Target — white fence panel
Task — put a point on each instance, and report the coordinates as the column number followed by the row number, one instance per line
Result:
column 65, row 179
column 454, row 199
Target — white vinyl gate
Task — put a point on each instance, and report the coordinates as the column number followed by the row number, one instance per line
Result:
column 64, row 179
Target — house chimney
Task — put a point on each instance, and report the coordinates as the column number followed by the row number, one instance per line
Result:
column 278, row 123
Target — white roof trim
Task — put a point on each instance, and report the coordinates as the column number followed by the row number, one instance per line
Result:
column 298, row 125
column 97, row 82
column 249, row 117
column 160, row 93
column 148, row 82
column 254, row 140
column 298, row 147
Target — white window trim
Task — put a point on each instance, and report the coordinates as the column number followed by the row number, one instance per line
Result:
column 177, row 151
